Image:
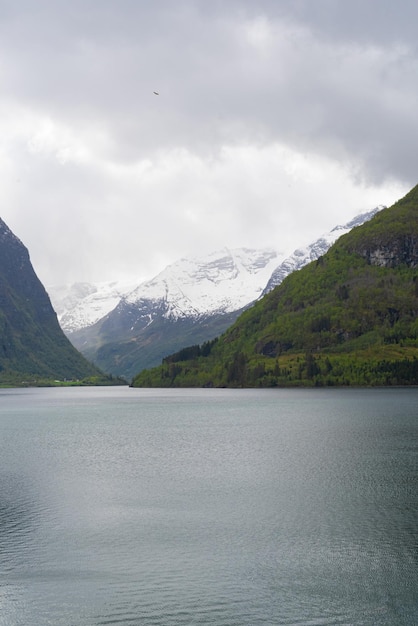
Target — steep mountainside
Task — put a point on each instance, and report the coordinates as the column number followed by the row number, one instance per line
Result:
column 348, row 318
column 32, row 344
column 191, row 301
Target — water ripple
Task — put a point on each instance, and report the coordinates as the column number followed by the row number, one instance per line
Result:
column 276, row 508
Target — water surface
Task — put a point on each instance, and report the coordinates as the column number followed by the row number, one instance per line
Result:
column 225, row 507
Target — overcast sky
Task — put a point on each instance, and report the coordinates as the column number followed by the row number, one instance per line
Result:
column 275, row 120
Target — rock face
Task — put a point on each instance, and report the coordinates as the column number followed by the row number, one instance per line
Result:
column 31, row 340
column 391, row 239
column 403, row 251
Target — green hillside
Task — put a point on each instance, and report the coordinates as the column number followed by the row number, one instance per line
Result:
column 349, row 318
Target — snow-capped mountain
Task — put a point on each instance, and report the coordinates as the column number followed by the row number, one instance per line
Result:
column 221, row 282
column 82, row 304
column 303, row 256
column 192, row 300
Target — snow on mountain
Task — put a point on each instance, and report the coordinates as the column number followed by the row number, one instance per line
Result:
column 82, row 304
column 303, row 256
column 221, row 282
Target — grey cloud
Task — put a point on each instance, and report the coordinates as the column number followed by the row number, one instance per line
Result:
column 327, row 79
column 99, row 63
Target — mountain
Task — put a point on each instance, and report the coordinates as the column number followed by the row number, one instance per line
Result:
column 191, row 301
column 222, row 282
column 350, row 317
column 32, row 344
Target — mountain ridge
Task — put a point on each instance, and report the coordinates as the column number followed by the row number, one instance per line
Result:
column 302, row 256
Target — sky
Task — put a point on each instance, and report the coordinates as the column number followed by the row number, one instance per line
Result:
column 135, row 133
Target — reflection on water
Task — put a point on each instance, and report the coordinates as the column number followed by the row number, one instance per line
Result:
column 122, row 506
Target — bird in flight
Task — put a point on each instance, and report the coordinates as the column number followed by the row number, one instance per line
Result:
column 156, row 93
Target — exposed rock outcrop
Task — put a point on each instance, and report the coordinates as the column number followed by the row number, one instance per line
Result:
column 401, row 251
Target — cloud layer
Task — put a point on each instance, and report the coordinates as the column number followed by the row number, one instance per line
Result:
column 273, row 122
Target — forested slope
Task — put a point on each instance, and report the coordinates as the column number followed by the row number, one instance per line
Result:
column 348, row 318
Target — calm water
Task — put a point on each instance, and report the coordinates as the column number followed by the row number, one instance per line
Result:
column 233, row 508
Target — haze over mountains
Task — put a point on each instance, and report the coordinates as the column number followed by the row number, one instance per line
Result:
column 125, row 329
